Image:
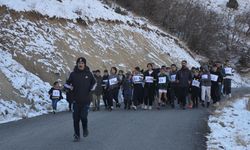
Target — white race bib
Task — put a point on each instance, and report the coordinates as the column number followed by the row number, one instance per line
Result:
column 228, row 70
column 162, row 80
column 214, row 77
column 137, row 78
column 113, row 81
column 149, row 79
column 204, row 76
column 196, row 83
column 56, row 93
column 173, row 77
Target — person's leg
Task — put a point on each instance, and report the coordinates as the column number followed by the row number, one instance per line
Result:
column 203, row 95
column 53, row 104
column 84, row 119
column 193, row 98
column 146, row 97
column 141, row 95
column 151, row 97
column 105, row 98
column 218, row 93
column 165, row 96
column 76, row 119
column 172, row 96
column 185, row 94
column 159, row 99
column 115, row 94
column 213, row 93
column 135, row 98
column 69, row 105
column 229, row 87
column 208, row 88
column 125, row 102
column 110, row 99
column 179, row 95
column 98, row 102
column 94, row 102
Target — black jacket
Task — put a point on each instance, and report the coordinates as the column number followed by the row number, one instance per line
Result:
column 184, row 77
column 220, row 77
column 82, row 82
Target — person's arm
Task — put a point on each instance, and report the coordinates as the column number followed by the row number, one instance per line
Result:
column 69, row 82
column 61, row 97
column 50, row 91
column 92, row 82
column 189, row 77
column 177, row 78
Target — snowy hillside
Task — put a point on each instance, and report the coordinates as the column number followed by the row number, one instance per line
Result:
column 40, row 41
column 40, row 45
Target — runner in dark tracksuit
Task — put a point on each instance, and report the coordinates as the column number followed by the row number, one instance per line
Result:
column 138, row 91
column 97, row 93
column 216, row 81
column 104, row 88
column 195, row 89
column 173, row 85
column 149, row 88
column 227, row 76
column 183, row 78
column 127, row 90
column 113, row 86
column 82, row 81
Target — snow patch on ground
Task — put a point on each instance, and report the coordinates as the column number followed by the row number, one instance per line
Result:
column 238, row 81
column 230, row 127
column 31, row 88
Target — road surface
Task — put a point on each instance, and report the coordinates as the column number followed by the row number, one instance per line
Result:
column 168, row 129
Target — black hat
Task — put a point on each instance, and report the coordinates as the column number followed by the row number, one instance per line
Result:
column 81, row 59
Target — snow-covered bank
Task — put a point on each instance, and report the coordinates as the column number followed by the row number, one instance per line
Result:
column 29, row 86
column 230, row 127
column 68, row 9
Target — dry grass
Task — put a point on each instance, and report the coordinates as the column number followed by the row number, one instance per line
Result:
column 240, row 141
column 248, row 104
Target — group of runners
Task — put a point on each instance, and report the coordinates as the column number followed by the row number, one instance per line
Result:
column 157, row 87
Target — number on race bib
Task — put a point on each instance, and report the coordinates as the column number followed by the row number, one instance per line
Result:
column 113, row 81
column 149, row 79
column 162, row 80
column 173, row 77
column 204, row 76
column 137, row 78
column 56, row 93
column 228, row 70
column 196, row 83
column 214, row 77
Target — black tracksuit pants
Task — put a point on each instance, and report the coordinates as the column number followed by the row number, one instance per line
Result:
column 138, row 94
column 80, row 113
column 113, row 94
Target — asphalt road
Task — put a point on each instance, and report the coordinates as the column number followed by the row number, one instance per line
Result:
column 169, row 129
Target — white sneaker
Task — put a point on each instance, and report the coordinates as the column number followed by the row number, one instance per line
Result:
column 230, row 95
column 145, row 107
column 150, row 107
column 134, row 107
column 142, row 106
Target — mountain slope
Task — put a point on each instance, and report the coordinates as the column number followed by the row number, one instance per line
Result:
column 40, row 44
